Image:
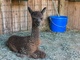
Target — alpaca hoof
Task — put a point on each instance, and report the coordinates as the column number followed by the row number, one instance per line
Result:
column 20, row 55
column 40, row 54
column 33, row 56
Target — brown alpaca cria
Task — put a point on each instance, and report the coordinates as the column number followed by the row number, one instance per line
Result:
column 28, row 45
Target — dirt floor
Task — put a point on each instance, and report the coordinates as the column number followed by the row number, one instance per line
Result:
column 58, row 46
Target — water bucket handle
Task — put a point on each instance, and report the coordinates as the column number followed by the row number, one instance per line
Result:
column 56, row 24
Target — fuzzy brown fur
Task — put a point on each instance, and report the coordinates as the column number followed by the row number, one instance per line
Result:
column 28, row 45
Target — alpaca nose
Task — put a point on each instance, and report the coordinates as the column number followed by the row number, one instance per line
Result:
column 39, row 20
column 38, row 23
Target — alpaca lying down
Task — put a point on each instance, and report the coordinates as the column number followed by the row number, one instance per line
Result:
column 28, row 45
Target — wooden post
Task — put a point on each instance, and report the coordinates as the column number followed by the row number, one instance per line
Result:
column 61, row 7
column 6, row 14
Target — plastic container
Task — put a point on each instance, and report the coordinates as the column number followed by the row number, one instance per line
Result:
column 58, row 23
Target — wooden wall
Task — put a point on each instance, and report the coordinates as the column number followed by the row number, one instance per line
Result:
column 74, row 15
column 14, row 16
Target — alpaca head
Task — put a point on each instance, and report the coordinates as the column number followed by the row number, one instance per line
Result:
column 37, row 16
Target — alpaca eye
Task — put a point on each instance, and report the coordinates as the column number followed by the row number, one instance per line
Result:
column 33, row 18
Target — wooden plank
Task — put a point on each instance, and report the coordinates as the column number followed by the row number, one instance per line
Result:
column 77, row 15
column 62, row 7
column 49, row 8
column 23, row 15
column 66, row 8
column 16, row 18
column 0, row 23
column 78, row 7
column 37, row 5
column 6, row 12
column 70, row 12
column 19, row 16
column 0, row 19
column 74, row 0
column 74, row 15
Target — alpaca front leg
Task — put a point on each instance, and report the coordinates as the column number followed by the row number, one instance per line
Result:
column 20, row 55
column 38, row 54
column 33, row 56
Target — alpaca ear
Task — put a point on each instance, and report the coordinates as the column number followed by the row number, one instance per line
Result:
column 30, row 10
column 43, row 10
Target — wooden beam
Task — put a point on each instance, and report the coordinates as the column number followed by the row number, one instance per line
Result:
column 61, row 7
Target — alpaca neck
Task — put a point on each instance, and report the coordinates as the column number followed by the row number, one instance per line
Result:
column 35, row 32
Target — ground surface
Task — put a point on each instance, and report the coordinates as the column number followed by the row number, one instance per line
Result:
column 60, row 46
